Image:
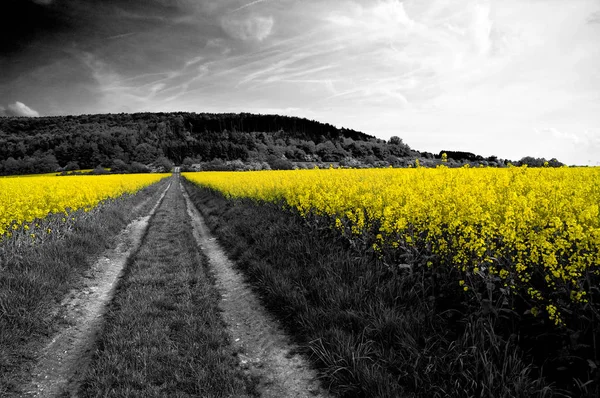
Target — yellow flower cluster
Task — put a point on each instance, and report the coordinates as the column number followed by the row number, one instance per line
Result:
column 23, row 200
column 532, row 230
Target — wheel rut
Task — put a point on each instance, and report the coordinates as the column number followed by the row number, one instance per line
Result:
column 64, row 359
column 264, row 350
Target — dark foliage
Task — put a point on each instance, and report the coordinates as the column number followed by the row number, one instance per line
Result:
column 31, row 145
column 459, row 155
column 46, row 144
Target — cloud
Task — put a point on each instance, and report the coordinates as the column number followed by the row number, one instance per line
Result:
column 248, row 5
column 18, row 109
column 386, row 19
column 594, row 18
column 44, row 2
column 253, row 27
column 482, row 28
column 572, row 147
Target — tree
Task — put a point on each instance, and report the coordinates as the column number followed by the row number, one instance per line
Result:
column 46, row 164
column 532, row 162
column 187, row 164
column 145, row 153
column 394, row 140
column 279, row 164
column 12, row 166
column 163, row 164
column 555, row 163
column 118, row 166
column 99, row 170
column 137, row 167
column 72, row 166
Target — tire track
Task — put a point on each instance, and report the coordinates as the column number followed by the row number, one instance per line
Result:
column 264, row 350
column 63, row 361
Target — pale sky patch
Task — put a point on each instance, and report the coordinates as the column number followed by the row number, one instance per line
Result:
column 251, row 27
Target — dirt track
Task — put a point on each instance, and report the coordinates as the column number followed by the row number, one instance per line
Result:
column 263, row 348
column 62, row 361
column 264, row 351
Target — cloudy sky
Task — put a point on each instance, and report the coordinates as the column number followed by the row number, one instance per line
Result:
column 507, row 77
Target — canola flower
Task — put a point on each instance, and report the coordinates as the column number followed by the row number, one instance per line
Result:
column 535, row 231
column 23, row 200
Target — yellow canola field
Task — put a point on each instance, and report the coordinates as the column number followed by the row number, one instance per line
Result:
column 536, row 229
column 25, row 199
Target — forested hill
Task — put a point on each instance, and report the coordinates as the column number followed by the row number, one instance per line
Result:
column 205, row 141
column 47, row 143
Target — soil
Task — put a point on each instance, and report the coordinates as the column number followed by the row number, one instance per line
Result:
column 64, row 359
column 266, row 353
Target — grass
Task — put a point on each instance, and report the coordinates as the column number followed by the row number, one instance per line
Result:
column 371, row 330
column 163, row 335
column 35, row 277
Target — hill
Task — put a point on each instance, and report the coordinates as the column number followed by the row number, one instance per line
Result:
column 140, row 142
column 43, row 144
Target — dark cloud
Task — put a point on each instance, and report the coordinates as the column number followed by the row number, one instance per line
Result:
column 26, row 23
column 22, row 22
column 18, row 109
column 131, row 35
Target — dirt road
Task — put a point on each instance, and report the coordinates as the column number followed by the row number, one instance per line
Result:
column 64, row 359
column 264, row 352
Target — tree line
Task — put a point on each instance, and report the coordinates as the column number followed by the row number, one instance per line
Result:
column 132, row 142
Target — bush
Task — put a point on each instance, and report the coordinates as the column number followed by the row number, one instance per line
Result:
column 98, row 170
column 281, row 164
column 72, row 166
column 119, row 166
column 163, row 165
column 137, row 167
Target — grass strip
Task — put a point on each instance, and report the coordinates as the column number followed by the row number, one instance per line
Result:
column 163, row 335
column 373, row 331
column 34, row 279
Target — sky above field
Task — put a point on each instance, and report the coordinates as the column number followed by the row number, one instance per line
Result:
column 507, row 78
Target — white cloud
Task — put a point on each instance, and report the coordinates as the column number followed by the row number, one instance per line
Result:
column 482, row 28
column 248, row 5
column 594, row 18
column 113, row 90
column 18, row 109
column 570, row 146
column 252, row 27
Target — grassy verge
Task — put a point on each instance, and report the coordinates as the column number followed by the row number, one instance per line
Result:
column 372, row 330
column 163, row 335
column 36, row 274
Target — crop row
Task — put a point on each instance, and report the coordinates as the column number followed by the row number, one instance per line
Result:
column 534, row 233
column 23, row 200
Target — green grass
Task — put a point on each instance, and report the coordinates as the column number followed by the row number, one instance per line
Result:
column 34, row 278
column 163, row 335
column 371, row 330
